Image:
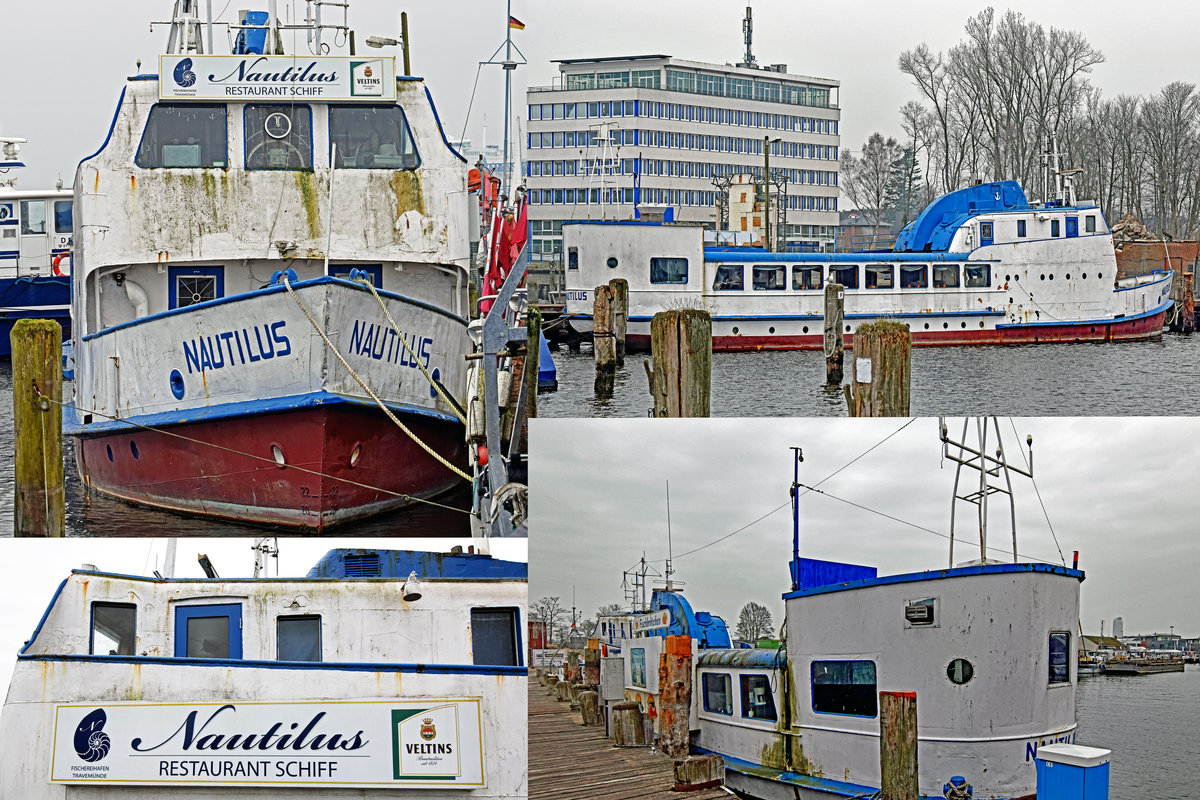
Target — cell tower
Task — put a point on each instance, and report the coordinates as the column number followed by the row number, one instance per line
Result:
column 748, row 35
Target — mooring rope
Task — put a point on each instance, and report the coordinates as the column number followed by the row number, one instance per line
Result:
column 437, row 387
column 256, row 457
column 416, row 440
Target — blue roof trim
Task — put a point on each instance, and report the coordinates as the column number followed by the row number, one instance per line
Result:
column 108, row 136
column 234, row 298
column 1105, row 321
column 45, row 616
column 731, row 256
column 144, row 76
column 238, row 409
column 939, row 574
column 438, row 120
column 1166, row 277
column 325, row 666
column 397, row 564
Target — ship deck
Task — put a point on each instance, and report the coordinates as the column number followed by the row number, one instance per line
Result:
column 567, row 760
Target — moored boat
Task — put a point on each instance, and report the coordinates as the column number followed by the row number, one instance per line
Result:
column 380, row 672
column 981, row 265
column 1142, row 666
column 35, row 249
column 271, row 286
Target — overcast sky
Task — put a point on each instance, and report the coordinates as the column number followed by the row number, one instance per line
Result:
column 31, row 569
column 65, row 61
column 1121, row 491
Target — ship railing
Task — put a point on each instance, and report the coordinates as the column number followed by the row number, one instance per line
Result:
column 873, row 242
column 1130, row 281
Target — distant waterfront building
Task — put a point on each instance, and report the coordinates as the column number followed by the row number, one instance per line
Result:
column 661, row 133
column 1118, row 627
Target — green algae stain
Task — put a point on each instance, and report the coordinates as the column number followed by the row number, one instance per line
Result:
column 308, row 196
column 406, row 186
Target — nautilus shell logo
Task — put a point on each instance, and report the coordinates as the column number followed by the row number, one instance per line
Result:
column 183, row 73
column 91, row 742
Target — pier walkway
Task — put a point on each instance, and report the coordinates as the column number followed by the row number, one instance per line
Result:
column 567, row 760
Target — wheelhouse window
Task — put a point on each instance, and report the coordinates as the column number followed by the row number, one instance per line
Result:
column 1060, row 662
column 844, row 687
column 494, row 637
column 978, row 276
column 298, row 638
column 757, row 700
column 717, row 697
column 372, row 137
column 63, row 222
column 572, row 258
column 668, row 270
column 769, row 278
column 183, row 136
column 914, row 276
column 804, row 277
column 208, row 631
column 191, row 285
column 985, row 231
column 1021, row 229
column 729, row 278
column 114, row 629
column 278, row 137
column 1054, row 227
column 878, row 276
column 945, row 276
column 33, row 217
column 1089, row 223
column 846, row 276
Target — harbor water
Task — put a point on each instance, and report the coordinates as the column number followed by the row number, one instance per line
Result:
column 1150, row 724
column 1131, row 378
column 89, row 514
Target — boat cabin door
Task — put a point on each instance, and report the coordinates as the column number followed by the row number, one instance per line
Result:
column 1072, row 227
column 35, row 239
column 985, row 233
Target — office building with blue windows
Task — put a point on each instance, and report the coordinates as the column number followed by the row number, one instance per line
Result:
column 668, row 136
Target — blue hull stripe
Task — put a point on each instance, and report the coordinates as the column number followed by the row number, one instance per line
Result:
column 237, row 298
column 243, row 408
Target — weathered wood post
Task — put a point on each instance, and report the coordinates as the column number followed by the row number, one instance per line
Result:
column 628, row 730
column 699, row 772
column 589, row 708
column 562, row 691
column 880, row 384
column 620, row 315
column 591, row 663
column 835, row 314
column 675, row 688
column 533, row 357
column 473, row 300
column 571, row 668
column 681, row 375
column 40, row 507
column 1188, row 323
column 604, row 345
column 898, row 745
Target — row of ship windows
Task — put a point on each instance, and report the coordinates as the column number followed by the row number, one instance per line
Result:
column 987, row 229
column 33, row 218
column 215, row 631
column 848, row 688
column 682, row 113
column 276, row 137
column 188, row 286
column 656, row 196
column 773, row 277
column 667, row 168
column 682, row 141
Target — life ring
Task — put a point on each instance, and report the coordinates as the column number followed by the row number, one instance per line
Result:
column 54, row 264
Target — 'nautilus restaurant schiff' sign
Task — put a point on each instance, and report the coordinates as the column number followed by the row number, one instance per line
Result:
column 254, row 77
column 392, row 672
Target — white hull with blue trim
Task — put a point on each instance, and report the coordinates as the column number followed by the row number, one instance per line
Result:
column 979, row 266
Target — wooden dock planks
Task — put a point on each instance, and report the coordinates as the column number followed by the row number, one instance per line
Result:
column 567, row 760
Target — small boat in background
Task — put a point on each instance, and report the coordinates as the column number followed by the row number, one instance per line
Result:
column 36, row 231
column 1143, row 665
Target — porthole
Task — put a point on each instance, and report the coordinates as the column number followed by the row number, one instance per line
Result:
column 356, row 454
column 177, row 384
column 437, row 376
column 1099, row 276
column 806, row 329
column 770, row 330
column 964, row 324
column 612, row 262
column 1068, row 276
column 1051, row 276
column 277, row 454
column 1085, row 276
column 945, row 324
column 960, row 671
column 735, row 330
column 1043, row 276
column 847, row 329
column 133, row 448
column 981, row 323
column 1007, row 278
column 108, row 447
column 926, row 326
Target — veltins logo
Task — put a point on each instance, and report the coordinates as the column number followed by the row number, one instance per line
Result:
column 91, row 742
column 183, row 73
column 425, row 744
column 366, row 78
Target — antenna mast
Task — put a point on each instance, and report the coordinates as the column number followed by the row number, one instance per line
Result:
column 748, row 35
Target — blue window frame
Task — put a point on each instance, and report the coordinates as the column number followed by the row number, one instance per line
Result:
column 844, row 687
column 298, row 637
column 878, row 276
column 945, row 276
column 1060, row 661
column 190, row 285
column 278, row 137
column 729, row 278
column 985, row 233
column 846, row 276
column 373, row 137
column 1072, row 227
column 914, row 276
column 374, row 270
column 717, row 697
column 668, row 270
column 757, row 700
column 1020, row 229
column 208, row 631
column 62, row 216
column 1054, row 227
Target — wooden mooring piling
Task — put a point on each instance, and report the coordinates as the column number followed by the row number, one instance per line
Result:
column 681, row 374
column 835, row 314
column 40, row 502
column 880, row 384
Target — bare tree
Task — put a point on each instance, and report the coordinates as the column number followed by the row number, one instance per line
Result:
column 867, row 180
column 754, row 622
column 552, row 614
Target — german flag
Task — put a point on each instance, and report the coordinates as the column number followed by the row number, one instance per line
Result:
column 513, row 22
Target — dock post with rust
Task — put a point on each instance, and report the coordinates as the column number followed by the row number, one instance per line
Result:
column 681, row 351
column 898, row 745
column 675, row 687
column 880, row 385
column 619, row 292
column 1188, row 322
column 835, row 314
column 40, row 502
